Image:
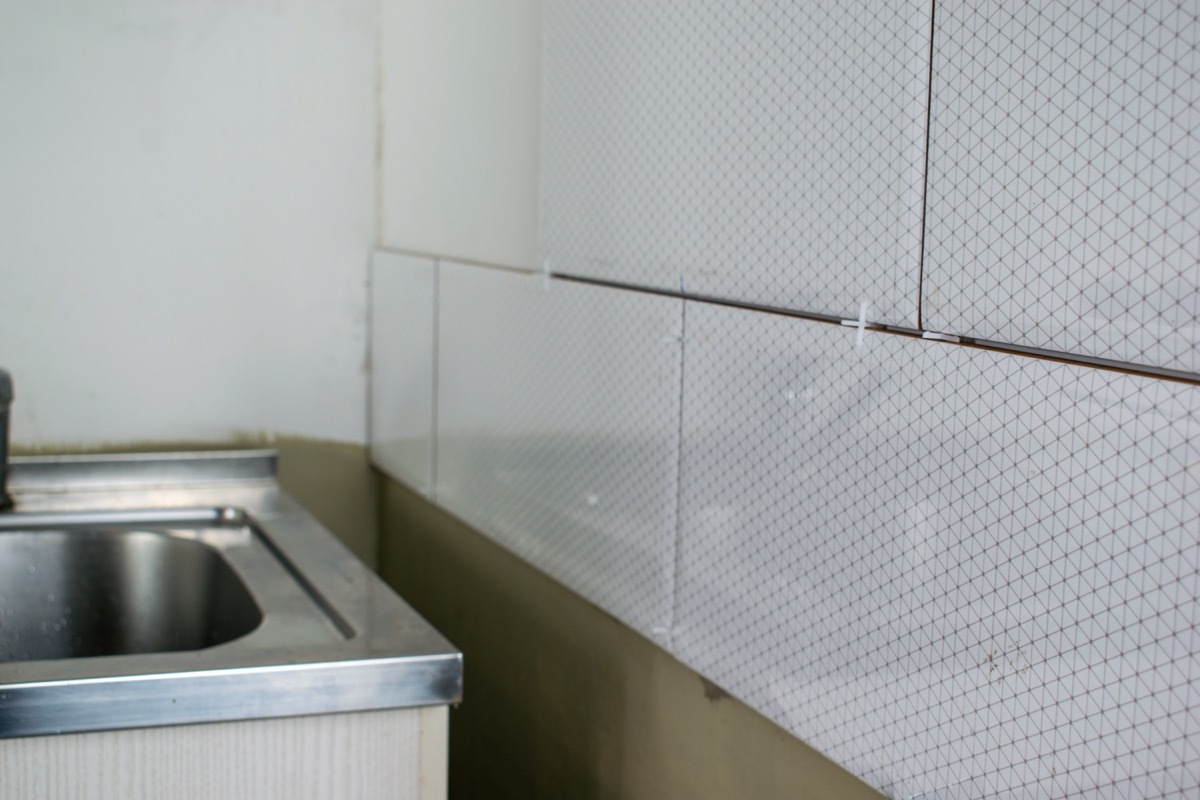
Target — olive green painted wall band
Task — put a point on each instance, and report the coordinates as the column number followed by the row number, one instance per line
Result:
column 562, row 700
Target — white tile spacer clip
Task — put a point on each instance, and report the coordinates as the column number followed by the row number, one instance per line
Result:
column 861, row 323
column 546, row 274
column 940, row 337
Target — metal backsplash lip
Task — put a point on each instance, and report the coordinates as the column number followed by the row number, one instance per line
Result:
column 67, row 473
column 382, row 655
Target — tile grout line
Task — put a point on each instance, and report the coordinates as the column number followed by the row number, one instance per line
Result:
column 925, row 169
column 677, row 544
column 1096, row 362
column 369, row 355
column 439, row 257
column 435, row 387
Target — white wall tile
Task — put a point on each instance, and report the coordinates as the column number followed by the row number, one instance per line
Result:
column 460, row 100
column 402, row 367
column 1054, row 595
column 1064, row 178
column 955, row 572
column 557, row 432
column 798, row 463
column 761, row 151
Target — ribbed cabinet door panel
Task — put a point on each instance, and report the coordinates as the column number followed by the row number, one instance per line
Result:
column 958, row 573
column 762, row 151
column 402, row 353
column 1064, row 178
column 558, row 420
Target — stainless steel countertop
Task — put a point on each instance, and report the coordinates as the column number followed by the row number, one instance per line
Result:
column 378, row 654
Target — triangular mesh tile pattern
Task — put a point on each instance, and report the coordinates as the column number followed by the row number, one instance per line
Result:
column 557, row 425
column 954, row 571
column 959, row 572
column 1064, row 178
column 765, row 152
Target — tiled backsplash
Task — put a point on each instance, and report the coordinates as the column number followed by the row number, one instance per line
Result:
column 767, row 152
column 959, row 571
column 1064, row 178
column 942, row 566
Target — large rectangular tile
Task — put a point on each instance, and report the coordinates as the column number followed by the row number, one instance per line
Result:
column 955, row 572
column 1053, row 559
column 457, row 96
column 558, row 418
column 402, row 367
column 799, row 457
column 1064, row 178
column 762, row 151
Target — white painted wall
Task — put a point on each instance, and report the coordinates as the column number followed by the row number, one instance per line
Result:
column 460, row 105
column 187, row 206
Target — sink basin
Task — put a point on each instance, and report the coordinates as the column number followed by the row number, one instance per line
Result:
column 147, row 590
column 84, row 591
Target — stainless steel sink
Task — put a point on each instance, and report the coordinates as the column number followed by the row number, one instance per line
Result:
column 87, row 588
column 152, row 590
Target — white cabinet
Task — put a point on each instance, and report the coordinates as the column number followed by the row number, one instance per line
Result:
column 397, row 754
